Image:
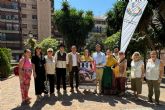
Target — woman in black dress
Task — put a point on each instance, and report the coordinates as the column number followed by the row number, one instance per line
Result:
column 38, row 61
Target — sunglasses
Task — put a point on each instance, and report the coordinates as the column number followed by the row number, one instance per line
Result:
column 50, row 51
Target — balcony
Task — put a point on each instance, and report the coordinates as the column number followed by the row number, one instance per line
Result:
column 9, row 21
column 10, row 31
column 11, row 7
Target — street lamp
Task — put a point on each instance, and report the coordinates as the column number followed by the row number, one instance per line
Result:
column 30, row 40
column 30, row 34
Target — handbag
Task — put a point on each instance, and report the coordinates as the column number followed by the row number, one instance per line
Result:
column 47, row 88
column 16, row 69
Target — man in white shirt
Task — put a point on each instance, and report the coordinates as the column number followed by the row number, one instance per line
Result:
column 73, row 64
column 61, row 64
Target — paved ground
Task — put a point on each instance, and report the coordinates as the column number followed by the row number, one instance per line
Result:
column 10, row 99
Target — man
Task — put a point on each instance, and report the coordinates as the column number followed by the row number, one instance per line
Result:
column 116, row 53
column 61, row 62
column 73, row 64
column 99, row 58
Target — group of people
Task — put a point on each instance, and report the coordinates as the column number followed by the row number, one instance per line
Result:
column 110, row 70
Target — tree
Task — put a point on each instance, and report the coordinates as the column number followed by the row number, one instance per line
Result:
column 115, row 17
column 112, row 41
column 4, row 65
column 73, row 24
column 151, row 25
column 30, row 43
column 8, row 53
column 48, row 43
column 94, row 38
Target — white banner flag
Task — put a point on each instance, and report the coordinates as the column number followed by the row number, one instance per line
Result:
column 133, row 13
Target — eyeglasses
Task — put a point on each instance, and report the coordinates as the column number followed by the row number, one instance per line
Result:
column 50, row 51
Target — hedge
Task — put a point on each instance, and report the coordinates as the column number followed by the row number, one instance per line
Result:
column 5, row 62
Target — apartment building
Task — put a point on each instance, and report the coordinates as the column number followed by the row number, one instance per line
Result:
column 36, row 18
column 18, row 18
column 10, row 23
column 100, row 24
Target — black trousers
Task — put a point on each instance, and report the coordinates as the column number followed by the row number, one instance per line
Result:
column 61, row 74
column 51, row 78
column 72, row 74
column 39, row 83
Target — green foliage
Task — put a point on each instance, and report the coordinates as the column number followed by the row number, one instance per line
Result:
column 8, row 53
column 4, row 65
column 48, row 43
column 73, row 24
column 112, row 41
column 95, row 38
column 30, row 43
column 115, row 17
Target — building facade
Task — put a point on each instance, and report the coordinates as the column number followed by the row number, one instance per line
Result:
column 36, row 18
column 18, row 18
column 10, row 25
column 100, row 24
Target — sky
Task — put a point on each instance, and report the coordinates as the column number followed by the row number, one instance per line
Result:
column 99, row 7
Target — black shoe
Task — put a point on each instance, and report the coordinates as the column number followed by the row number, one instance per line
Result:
column 71, row 90
column 150, row 100
column 45, row 92
column 157, row 103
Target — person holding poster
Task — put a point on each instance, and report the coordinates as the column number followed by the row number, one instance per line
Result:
column 86, row 73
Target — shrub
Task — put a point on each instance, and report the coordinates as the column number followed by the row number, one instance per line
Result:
column 4, row 65
column 7, row 53
column 48, row 43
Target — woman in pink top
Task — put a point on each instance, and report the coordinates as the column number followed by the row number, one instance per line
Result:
column 25, row 71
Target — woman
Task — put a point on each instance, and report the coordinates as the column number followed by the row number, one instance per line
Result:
column 108, row 79
column 38, row 61
column 86, row 68
column 121, row 79
column 137, row 73
column 25, row 71
column 50, row 69
column 154, row 74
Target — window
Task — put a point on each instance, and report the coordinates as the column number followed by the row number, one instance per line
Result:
column 34, row 16
column 24, row 25
column 3, row 16
column 16, row 27
column 2, row 36
column 14, row 5
column 34, row 26
column 8, row 17
column 15, row 17
column 9, row 26
column 34, row 6
column 24, row 15
column 23, row 5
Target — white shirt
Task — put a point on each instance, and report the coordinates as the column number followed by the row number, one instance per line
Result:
column 74, row 59
column 136, row 69
column 50, row 65
column 153, row 69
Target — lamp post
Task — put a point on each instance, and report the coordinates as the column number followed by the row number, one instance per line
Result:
column 31, row 41
column 30, row 34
